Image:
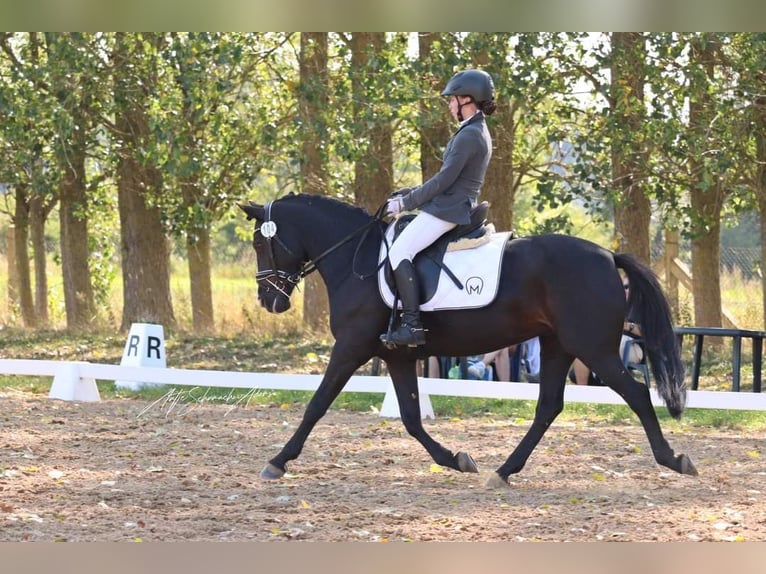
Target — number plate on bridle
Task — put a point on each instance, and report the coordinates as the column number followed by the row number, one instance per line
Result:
column 268, row 229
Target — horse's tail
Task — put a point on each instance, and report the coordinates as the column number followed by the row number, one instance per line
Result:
column 653, row 312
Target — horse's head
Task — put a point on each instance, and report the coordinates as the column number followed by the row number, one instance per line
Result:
column 280, row 257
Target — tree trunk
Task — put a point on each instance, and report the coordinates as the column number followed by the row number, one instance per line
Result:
column 760, row 184
column 196, row 208
column 198, row 254
column 706, row 193
column 71, row 150
column 13, row 276
column 374, row 168
column 632, row 209
column 706, row 253
column 144, row 249
column 500, row 183
column 78, row 289
column 313, row 109
column 37, row 216
column 21, row 255
column 144, row 246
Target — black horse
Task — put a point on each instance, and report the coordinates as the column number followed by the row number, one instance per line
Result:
column 563, row 289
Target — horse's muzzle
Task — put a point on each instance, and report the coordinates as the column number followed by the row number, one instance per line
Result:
column 274, row 302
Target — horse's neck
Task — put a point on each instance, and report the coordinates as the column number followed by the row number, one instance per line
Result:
column 335, row 247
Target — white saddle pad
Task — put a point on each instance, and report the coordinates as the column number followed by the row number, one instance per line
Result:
column 478, row 269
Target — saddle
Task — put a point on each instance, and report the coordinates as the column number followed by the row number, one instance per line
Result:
column 429, row 263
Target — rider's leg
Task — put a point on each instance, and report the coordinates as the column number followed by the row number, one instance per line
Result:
column 410, row 330
column 419, row 234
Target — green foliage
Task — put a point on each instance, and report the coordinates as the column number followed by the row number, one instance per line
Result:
column 59, row 79
column 224, row 124
column 214, row 125
column 103, row 244
column 698, row 150
column 27, row 121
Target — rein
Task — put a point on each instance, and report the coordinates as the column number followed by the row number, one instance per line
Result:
column 279, row 279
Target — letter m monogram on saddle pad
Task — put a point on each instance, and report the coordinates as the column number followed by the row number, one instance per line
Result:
column 462, row 278
column 474, row 285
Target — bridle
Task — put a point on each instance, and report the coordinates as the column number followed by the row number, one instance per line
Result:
column 272, row 277
column 285, row 282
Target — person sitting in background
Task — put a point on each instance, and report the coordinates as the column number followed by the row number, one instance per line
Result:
column 496, row 365
column 481, row 368
column 530, row 359
column 478, row 367
column 528, row 365
column 631, row 329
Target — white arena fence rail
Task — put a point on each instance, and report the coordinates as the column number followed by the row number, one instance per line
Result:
column 71, row 374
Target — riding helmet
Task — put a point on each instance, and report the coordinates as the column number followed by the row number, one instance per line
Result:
column 475, row 83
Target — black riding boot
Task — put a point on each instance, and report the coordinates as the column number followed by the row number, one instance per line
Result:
column 410, row 331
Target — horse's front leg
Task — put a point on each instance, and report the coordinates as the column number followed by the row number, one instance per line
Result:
column 404, row 376
column 342, row 365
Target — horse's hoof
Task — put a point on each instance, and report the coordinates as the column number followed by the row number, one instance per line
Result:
column 271, row 472
column 686, row 466
column 466, row 463
column 495, row 481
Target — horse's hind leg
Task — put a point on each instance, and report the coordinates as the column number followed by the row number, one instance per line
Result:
column 554, row 365
column 637, row 396
column 340, row 368
column 404, row 376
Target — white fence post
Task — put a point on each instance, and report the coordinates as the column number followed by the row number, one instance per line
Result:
column 69, row 386
column 390, row 406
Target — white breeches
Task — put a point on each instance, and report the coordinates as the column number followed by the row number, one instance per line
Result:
column 419, row 234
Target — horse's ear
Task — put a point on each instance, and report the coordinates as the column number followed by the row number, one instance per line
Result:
column 253, row 210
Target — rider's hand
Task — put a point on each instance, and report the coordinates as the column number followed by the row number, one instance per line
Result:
column 394, row 206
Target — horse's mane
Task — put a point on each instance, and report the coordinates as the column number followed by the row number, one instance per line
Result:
column 326, row 202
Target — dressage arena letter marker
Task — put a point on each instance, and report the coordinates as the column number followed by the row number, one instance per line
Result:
column 145, row 347
column 153, row 350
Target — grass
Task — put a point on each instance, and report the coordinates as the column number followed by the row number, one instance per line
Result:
column 236, row 308
column 515, row 411
column 742, row 298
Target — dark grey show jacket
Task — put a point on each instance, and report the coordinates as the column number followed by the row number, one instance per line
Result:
column 453, row 191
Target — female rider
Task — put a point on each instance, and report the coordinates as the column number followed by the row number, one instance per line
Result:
column 446, row 199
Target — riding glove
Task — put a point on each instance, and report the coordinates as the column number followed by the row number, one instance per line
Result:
column 394, row 206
